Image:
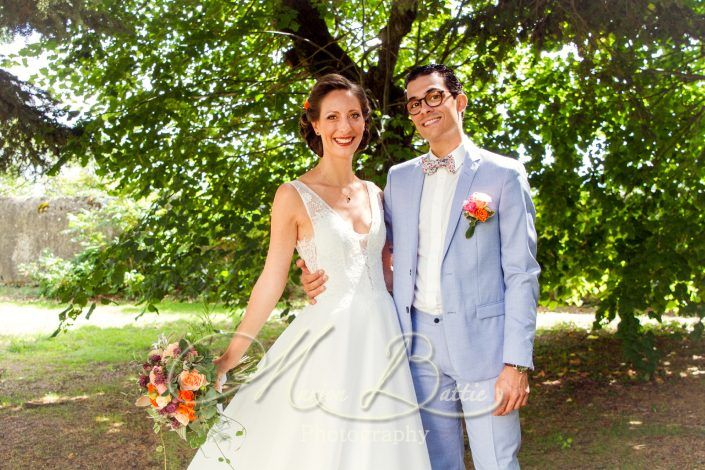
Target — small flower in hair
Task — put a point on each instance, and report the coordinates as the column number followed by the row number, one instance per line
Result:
column 307, row 105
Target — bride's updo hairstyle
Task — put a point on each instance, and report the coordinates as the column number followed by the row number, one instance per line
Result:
column 312, row 109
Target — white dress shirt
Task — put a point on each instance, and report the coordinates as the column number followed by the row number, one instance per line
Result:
column 436, row 198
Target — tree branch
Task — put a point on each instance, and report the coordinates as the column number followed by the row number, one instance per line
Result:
column 399, row 25
column 52, row 18
column 314, row 47
column 30, row 130
column 317, row 51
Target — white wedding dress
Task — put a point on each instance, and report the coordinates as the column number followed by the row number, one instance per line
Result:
column 334, row 391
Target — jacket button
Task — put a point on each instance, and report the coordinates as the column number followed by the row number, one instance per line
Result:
column 410, row 273
column 407, row 309
column 436, row 320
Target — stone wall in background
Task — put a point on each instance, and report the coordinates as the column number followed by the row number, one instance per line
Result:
column 30, row 225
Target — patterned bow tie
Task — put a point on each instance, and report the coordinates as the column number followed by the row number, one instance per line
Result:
column 431, row 164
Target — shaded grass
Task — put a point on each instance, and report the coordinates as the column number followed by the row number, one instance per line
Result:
column 101, row 431
column 587, row 408
column 81, row 386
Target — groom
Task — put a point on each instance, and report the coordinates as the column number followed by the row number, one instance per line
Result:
column 470, row 302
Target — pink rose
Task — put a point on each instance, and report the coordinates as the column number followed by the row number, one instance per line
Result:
column 172, row 350
column 156, row 378
column 470, row 206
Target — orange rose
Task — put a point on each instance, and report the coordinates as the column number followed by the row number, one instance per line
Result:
column 187, row 396
column 186, row 411
column 192, row 380
column 481, row 214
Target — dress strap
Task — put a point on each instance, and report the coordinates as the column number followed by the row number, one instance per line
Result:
column 313, row 206
column 307, row 248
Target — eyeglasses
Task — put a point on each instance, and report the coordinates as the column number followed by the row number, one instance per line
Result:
column 433, row 99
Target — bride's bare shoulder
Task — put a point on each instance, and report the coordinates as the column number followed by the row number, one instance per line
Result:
column 287, row 198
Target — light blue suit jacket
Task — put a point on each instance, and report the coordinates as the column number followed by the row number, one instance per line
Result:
column 489, row 283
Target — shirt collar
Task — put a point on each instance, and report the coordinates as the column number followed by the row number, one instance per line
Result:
column 466, row 147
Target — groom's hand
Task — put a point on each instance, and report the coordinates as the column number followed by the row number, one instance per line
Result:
column 313, row 283
column 512, row 387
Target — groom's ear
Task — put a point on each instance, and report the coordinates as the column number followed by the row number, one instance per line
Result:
column 461, row 102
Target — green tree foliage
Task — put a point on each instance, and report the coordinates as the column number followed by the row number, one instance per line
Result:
column 34, row 128
column 198, row 101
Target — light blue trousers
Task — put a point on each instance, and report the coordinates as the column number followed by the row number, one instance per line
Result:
column 446, row 399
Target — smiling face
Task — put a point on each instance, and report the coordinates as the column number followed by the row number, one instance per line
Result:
column 442, row 124
column 341, row 124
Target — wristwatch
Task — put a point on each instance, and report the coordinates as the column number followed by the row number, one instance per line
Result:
column 520, row 369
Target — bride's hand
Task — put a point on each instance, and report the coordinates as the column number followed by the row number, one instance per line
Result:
column 221, row 368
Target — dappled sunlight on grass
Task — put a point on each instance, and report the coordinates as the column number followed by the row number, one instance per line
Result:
column 56, row 399
column 111, row 424
column 572, row 356
column 589, row 409
column 586, row 410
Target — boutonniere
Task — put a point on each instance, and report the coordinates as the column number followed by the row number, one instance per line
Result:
column 476, row 208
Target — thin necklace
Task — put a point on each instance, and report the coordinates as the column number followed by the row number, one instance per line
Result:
column 347, row 196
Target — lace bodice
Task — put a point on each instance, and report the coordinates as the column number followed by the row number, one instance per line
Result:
column 352, row 261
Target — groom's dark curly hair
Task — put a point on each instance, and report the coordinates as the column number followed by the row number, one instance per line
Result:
column 450, row 79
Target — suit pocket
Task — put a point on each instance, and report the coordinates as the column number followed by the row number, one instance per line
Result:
column 490, row 310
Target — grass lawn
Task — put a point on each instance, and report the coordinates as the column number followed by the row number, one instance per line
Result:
column 68, row 402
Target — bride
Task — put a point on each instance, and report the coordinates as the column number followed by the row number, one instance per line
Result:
column 335, row 390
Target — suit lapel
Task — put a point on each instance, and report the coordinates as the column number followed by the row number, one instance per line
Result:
column 417, row 180
column 462, row 191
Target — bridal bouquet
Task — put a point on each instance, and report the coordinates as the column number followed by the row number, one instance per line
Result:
column 178, row 389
